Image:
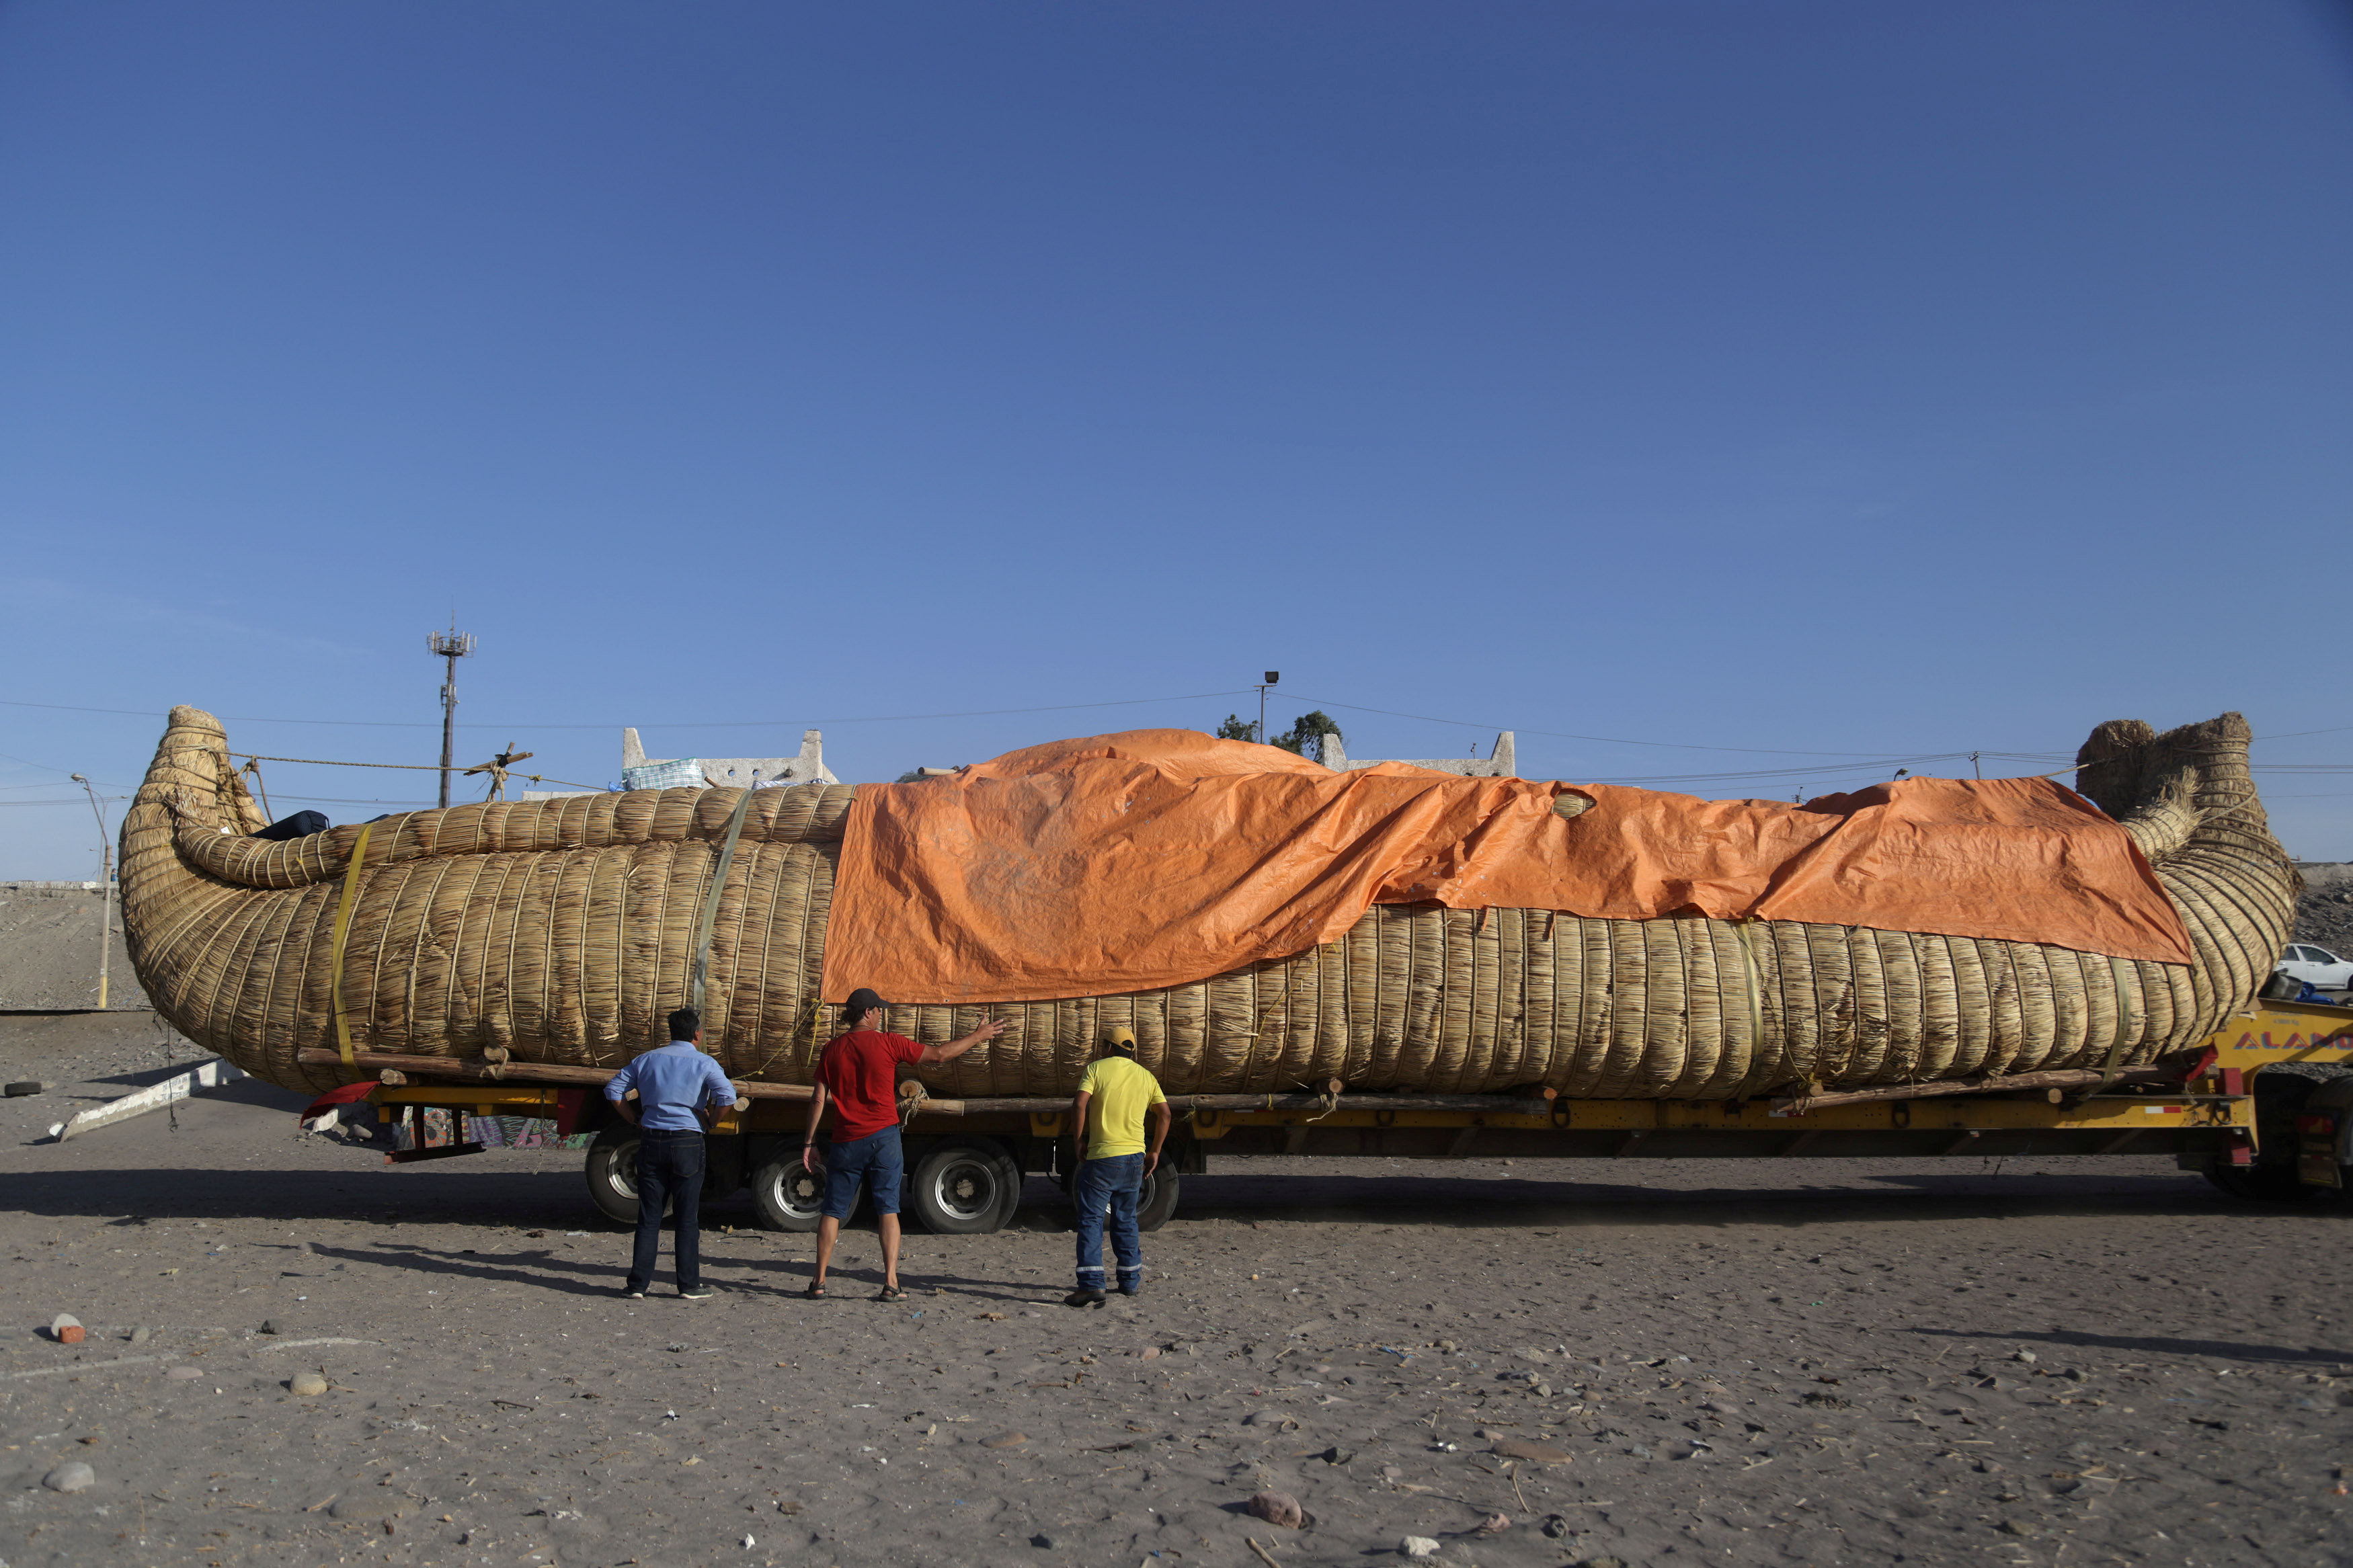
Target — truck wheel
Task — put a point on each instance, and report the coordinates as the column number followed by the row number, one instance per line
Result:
column 1154, row 1204
column 2257, row 1184
column 1158, row 1199
column 966, row 1187
column 613, row 1175
column 2280, row 1091
column 789, row 1198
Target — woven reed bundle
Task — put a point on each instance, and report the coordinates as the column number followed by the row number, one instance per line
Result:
column 563, row 931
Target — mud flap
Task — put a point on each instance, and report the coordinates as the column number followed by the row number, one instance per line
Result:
column 2315, row 1151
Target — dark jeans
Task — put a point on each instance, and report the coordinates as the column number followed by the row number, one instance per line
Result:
column 669, row 1170
column 1112, row 1184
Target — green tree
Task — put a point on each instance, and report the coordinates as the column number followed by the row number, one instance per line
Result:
column 1237, row 728
column 1306, row 736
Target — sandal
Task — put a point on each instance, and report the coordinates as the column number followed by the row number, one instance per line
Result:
column 891, row 1293
column 815, row 1292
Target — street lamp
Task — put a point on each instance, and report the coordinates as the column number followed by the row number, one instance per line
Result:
column 105, row 887
column 1272, row 677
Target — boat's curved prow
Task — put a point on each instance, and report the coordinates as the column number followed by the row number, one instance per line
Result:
column 2188, row 799
column 191, row 781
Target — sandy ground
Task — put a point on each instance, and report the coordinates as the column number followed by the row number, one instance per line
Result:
column 2325, row 914
column 49, row 949
column 1807, row 1362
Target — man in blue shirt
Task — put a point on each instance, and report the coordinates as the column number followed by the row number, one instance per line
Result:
column 681, row 1092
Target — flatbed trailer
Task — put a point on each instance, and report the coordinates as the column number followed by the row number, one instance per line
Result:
column 2264, row 1109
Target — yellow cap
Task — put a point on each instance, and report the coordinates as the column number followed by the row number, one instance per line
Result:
column 1120, row 1038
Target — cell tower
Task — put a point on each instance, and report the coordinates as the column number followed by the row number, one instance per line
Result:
column 451, row 646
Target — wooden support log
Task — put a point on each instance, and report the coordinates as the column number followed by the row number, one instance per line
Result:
column 2166, row 1070
column 1489, row 1104
column 473, row 1071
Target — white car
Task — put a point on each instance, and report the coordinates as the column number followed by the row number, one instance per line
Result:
column 2316, row 966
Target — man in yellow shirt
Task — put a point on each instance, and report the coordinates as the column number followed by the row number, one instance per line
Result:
column 1108, row 1124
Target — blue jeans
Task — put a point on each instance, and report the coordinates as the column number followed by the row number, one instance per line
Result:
column 879, row 1158
column 1112, row 1184
column 669, row 1173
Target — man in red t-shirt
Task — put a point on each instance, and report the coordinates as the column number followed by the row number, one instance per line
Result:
column 858, row 1072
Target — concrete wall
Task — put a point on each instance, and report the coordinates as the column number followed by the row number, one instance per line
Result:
column 48, row 951
column 1498, row 764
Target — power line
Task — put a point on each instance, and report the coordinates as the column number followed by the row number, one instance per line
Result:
column 1865, row 760
column 1605, row 740
column 697, row 724
column 28, row 762
column 404, row 767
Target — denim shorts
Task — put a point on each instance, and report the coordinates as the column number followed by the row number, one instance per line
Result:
column 879, row 1159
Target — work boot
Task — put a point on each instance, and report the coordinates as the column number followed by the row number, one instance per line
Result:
column 1083, row 1299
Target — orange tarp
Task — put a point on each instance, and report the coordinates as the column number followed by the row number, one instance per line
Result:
column 1159, row 858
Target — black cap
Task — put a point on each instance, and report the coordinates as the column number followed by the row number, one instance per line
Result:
column 860, row 1000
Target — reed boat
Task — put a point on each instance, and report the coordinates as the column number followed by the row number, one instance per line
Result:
column 562, row 932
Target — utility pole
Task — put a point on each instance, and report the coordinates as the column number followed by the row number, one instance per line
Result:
column 450, row 646
column 1975, row 767
column 1272, row 677
column 105, row 888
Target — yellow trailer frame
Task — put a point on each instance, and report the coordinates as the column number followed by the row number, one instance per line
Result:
column 2217, row 1121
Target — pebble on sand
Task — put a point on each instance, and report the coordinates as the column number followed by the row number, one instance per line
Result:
column 307, row 1384
column 1531, row 1453
column 141, row 1336
column 1495, row 1524
column 65, row 1329
column 1417, row 1546
column 1005, row 1440
column 1265, row 1418
column 269, row 1325
column 185, row 1373
column 1278, row 1508
column 71, row 1477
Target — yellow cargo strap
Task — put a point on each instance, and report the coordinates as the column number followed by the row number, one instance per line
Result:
column 711, row 903
column 1756, row 992
column 2121, row 972
column 342, row 934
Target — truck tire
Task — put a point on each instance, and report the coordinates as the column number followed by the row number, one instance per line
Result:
column 789, row 1198
column 613, row 1175
column 1154, row 1204
column 1158, row 1200
column 965, row 1186
column 2280, row 1091
column 2257, row 1183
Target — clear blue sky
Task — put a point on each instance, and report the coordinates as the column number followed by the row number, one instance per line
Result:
column 1865, row 378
